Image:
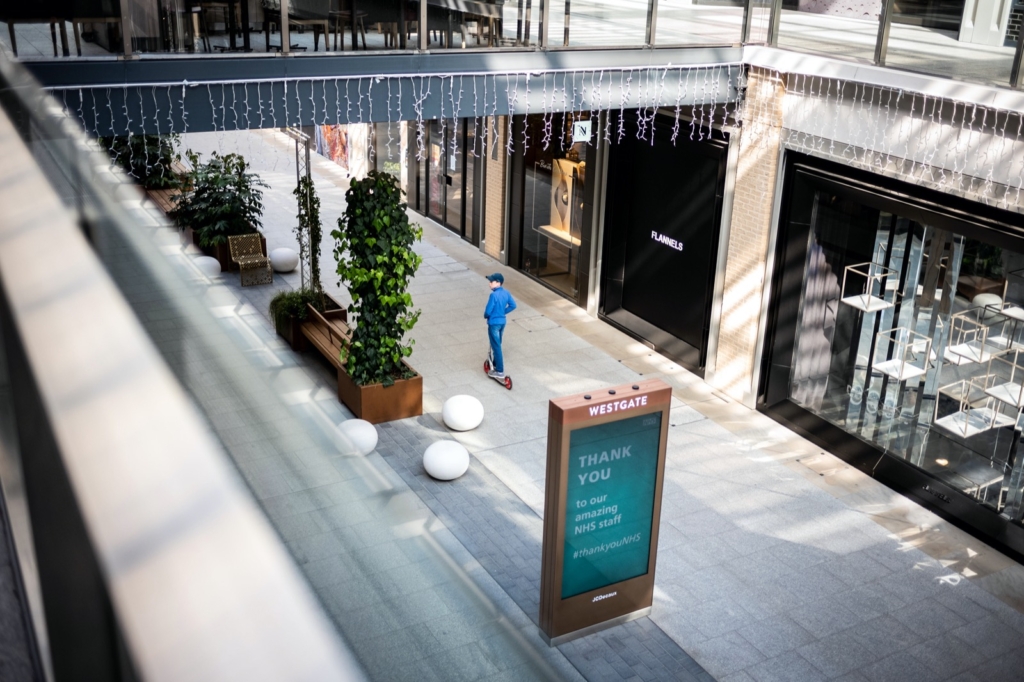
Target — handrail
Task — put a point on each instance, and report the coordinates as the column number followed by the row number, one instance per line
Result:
column 155, row 561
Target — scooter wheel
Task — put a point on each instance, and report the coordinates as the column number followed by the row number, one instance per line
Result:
column 508, row 383
column 487, row 366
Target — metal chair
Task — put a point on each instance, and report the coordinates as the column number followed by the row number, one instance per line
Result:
column 247, row 251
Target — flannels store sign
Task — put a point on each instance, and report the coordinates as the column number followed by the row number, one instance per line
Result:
column 667, row 241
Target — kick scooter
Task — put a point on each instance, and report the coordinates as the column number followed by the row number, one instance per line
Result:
column 488, row 363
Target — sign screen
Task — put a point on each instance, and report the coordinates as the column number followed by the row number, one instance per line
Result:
column 609, row 509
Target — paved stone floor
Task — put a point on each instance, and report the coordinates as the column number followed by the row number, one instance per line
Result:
column 776, row 561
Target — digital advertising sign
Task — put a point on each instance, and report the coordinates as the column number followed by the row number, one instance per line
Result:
column 605, row 471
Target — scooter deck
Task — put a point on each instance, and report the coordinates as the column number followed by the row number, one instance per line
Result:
column 506, row 382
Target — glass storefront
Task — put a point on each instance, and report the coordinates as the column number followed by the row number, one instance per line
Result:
column 443, row 184
column 551, row 232
column 944, row 15
column 898, row 329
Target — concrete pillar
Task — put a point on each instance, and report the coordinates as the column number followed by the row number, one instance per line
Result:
column 753, row 201
column 495, row 182
column 984, row 22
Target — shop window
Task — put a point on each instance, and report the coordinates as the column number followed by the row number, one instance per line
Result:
column 904, row 329
column 554, row 183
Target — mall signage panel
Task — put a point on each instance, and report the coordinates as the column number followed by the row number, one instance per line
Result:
column 602, row 507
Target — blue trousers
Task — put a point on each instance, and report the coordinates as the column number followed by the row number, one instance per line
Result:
column 494, row 333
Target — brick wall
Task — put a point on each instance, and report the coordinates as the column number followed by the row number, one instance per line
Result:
column 496, row 167
column 748, row 236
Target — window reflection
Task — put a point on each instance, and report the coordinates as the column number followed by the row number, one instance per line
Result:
column 910, row 337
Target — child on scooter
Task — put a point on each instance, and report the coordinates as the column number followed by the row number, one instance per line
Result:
column 499, row 305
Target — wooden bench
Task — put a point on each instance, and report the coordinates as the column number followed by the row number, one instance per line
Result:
column 328, row 332
column 164, row 198
column 247, row 251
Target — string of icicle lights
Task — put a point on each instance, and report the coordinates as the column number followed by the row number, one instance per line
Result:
column 954, row 146
column 700, row 96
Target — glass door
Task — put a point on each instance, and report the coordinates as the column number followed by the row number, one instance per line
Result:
column 436, row 172
column 456, row 149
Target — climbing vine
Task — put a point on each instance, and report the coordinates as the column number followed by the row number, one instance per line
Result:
column 376, row 261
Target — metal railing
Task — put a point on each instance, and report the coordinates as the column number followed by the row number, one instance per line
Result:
column 175, row 26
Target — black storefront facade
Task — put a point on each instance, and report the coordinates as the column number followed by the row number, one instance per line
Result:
column 629, row 229
column 895, row 339
column 662, row 225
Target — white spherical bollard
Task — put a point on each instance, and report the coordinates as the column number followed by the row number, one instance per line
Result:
column 446, row 460
column 359, row 437
column 283, row 260
column 208, row 266
column 462, row 412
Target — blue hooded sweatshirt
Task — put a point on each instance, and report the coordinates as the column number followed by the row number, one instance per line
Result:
column 499, row 304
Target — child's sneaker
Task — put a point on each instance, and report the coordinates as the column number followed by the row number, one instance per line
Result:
column 496, row 375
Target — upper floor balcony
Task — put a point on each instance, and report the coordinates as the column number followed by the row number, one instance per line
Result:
column 970, row 40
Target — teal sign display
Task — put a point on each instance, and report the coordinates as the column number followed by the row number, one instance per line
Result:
column 609, row 508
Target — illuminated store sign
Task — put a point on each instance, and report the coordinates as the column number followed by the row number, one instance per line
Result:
column 606, row 465
column 667, row 241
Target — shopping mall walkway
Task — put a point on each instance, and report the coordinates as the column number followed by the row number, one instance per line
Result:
column 776, row 561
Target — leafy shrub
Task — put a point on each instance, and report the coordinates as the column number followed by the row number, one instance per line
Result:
column 376, row 261
column 147, row 158
column 223, row 199
column 287, row 304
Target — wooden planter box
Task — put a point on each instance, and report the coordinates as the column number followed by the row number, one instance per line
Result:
column 377, row 404
column 290, row 329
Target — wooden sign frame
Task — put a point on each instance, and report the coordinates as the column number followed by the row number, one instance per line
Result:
column 562, row 619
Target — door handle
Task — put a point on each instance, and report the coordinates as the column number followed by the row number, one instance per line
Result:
column 448, row 180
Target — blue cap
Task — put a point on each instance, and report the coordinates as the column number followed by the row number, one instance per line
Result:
column 496, row 277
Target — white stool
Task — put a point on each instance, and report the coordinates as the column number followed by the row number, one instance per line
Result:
column 283, row 260
column 446, row 460
column 359, row 437
column 208, row 266
column 462, row 413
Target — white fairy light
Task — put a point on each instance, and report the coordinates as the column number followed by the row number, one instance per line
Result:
column 184, row 112
column 323, row 96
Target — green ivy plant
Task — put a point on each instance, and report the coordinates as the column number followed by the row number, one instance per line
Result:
column 223, row 199
column 376, row 261
column 310, row 233
column 982, row 260
column 147, row 158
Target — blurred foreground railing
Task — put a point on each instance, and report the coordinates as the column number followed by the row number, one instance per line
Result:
column 153, row 560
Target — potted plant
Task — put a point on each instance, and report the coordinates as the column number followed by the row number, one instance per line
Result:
column 288, row 308
column 222, row 199
column 376, row 261
column 149, row 159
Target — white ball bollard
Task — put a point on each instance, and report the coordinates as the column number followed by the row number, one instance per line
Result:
column 284, row 260
column 984, row 300
column 208, row 266
column 446, row 460
column 359, row 437
column 462, row 413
